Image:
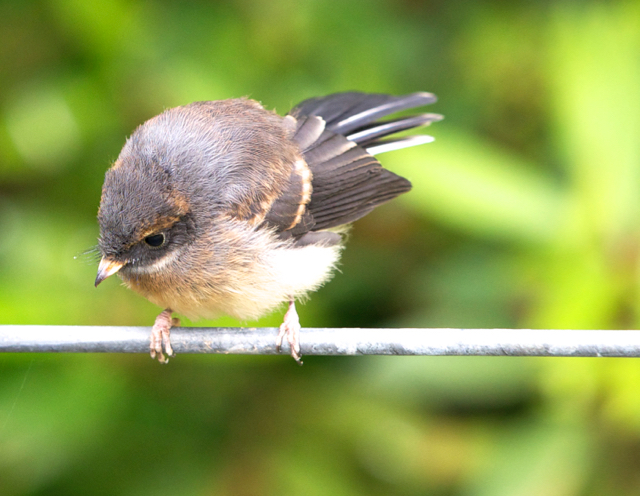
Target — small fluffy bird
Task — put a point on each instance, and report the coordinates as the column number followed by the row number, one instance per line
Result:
column 226, row 208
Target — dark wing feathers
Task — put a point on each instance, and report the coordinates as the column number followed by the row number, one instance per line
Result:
column 335, row 146
column 337, row 135
column 350, row 205
column 349, row 184
column 308, row 130
column 285, row 212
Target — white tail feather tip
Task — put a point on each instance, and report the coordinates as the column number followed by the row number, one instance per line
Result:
column 399, row 145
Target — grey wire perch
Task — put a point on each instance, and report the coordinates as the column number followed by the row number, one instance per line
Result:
column 327, row 341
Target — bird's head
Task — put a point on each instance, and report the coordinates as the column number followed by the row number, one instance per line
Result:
column 144, row 219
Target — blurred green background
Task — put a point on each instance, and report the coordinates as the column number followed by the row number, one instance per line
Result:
column 525, row 213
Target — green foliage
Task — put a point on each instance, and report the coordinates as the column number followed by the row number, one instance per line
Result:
column 524, row 213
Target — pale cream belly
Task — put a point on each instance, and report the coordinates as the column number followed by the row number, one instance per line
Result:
column 287, row 273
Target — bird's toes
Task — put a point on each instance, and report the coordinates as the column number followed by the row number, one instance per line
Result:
column 290, row 328
column 161, row 337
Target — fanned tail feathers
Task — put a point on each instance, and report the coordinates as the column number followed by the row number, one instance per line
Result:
column 339, row 134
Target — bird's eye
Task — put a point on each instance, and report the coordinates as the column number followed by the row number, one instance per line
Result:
column 155, row 240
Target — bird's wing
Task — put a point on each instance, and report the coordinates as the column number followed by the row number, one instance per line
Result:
column 288, row 214
column 338, row 136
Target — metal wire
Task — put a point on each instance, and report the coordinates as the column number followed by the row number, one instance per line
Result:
column 330, row 341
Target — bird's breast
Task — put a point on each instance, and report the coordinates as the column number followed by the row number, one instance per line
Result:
column 245, row 284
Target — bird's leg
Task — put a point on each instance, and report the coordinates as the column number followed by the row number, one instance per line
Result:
column 290, row 328
column 161, row 333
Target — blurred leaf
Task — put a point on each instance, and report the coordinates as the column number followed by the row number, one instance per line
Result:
column 463, row 381
column 42, row 127
column 530, row 459
column 75, row 404
column 594, row 77
column 480, row 189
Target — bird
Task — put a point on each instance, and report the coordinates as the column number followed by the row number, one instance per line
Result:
column 224, row 207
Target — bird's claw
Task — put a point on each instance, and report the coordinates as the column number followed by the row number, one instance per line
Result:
column 290, row 328
column 161, row 335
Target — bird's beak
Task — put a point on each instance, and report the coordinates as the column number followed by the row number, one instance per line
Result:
column 107, row 268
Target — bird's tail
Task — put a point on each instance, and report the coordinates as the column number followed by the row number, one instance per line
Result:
column 356, row 116
column 338, row 136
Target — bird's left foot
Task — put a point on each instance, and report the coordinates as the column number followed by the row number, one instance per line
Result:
column 161, row 334
column 291, row 329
